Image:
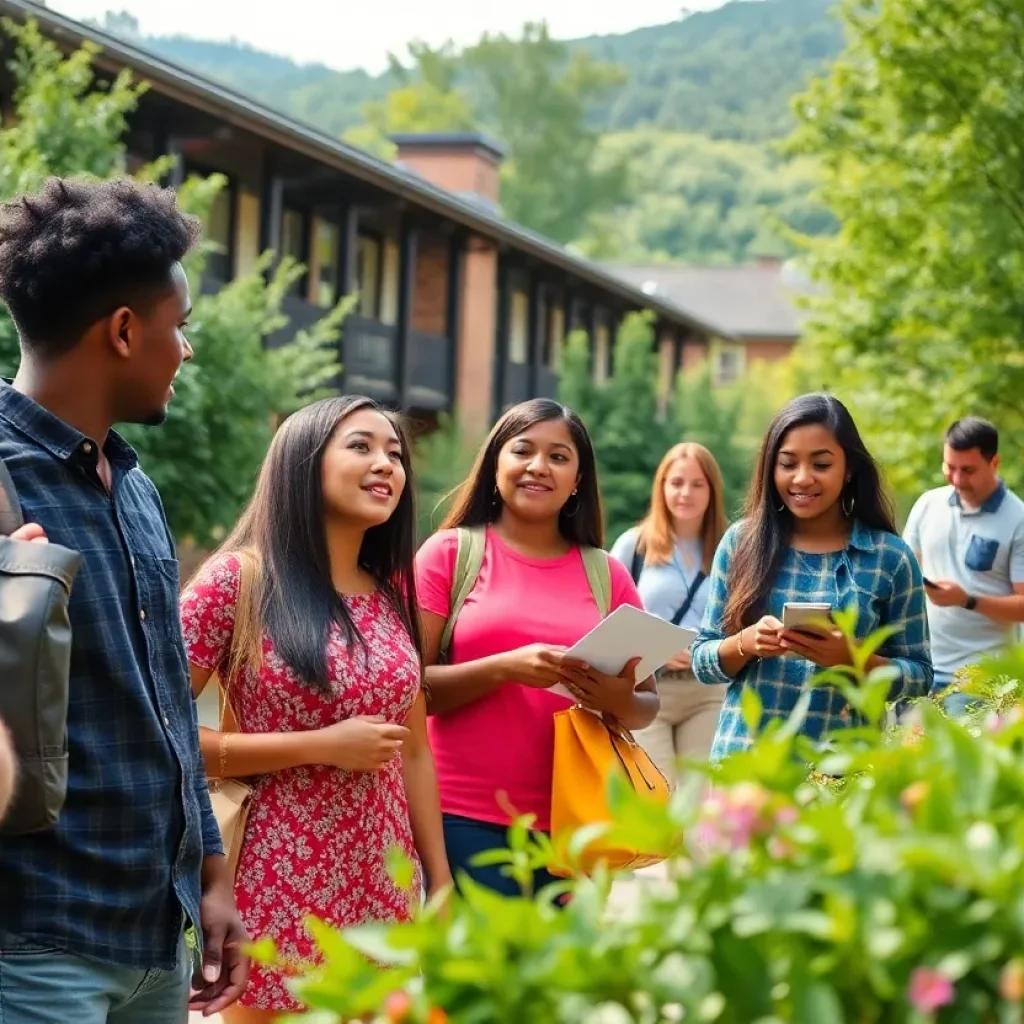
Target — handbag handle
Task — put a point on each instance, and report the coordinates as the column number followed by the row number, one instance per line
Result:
column 246, row 574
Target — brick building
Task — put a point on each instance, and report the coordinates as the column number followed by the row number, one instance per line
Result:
column 459, row 309
column 756, row 305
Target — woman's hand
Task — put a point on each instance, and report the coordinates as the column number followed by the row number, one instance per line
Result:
column 538, row 665
column 612, row 695
column 680, row 663
column 763, row 638
column 827, row 650
column 366, row 743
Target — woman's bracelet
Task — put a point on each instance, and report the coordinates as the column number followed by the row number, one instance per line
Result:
column 739, row 644
column 222, row 758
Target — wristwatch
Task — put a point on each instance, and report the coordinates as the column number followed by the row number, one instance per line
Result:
column 971, row 603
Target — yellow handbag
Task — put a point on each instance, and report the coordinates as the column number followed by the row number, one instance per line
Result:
column 588, row 750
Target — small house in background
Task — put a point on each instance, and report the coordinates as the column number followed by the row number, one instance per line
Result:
column 460, row 310
column 755, row 304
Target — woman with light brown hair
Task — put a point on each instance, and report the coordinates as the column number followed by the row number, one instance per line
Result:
column 669, row 555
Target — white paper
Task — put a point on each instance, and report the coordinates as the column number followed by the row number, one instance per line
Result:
column 626, row 634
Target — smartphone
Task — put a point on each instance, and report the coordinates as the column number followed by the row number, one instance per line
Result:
column 806, row 616
column 928, row 583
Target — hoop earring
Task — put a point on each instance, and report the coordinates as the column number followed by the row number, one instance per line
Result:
column 781, row 508
column 847, row 511
column 567, row 514
column 496, row 498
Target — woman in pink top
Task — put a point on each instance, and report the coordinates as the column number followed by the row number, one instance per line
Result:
column 534, row 488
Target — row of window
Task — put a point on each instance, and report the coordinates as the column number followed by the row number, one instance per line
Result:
column 315, row 242
column 553, row 329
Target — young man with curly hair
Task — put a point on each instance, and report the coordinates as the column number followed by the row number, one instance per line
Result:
column 95, row 910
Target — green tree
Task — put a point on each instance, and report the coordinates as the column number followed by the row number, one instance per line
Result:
column 531, row 93
column 628, row 424
column 536, row 96
column 442, row 459
column 426, row 99
column 703, row 201
column 205, row 457
column 919, row 129
column 632, row 426
column 712, row 417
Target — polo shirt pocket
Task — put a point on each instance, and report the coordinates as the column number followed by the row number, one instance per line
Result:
column 981, row 553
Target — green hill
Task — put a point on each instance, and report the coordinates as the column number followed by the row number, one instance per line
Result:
column 727, row 73
column 702, row 101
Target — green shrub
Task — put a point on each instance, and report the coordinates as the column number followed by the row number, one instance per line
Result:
column 897, row 897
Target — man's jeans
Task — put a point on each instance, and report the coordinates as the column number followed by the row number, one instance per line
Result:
column 44, row 985
column 956, row 704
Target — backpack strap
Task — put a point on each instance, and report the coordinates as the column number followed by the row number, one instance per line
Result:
column 636, row 566
column 599, row 576
column 470, row 558
column 10, row 507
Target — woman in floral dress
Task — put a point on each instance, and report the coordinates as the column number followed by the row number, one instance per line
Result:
column 307, row 615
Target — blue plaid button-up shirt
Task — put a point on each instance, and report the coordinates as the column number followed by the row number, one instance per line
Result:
column 112, row 880
column 877, row 573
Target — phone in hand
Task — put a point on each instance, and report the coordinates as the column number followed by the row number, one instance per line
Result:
column 929, row 583
column 806, row 616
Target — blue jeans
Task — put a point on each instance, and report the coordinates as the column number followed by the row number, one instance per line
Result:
column 955, row 704
column 44, row 985
column 464, row 838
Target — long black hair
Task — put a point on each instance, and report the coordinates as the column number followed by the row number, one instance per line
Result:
column 768, row 524
column 283, row 533
column 580, row 520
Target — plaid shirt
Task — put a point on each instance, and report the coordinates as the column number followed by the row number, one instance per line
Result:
column 111, row 880
column 877, row 573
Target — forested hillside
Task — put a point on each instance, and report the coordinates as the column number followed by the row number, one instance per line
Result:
column 689, row 112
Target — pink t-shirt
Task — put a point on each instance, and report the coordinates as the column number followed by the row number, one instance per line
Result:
column 494, row 756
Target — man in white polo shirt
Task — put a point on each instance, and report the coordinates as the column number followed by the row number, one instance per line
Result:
column 969, row 540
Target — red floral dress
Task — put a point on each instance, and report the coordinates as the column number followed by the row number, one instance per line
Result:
column 317, row 838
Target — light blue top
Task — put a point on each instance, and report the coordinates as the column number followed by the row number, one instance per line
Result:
column 877, row 573
column 663, row 588
column 982, row 550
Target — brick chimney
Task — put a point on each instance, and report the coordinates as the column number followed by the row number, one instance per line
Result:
column 463, row 163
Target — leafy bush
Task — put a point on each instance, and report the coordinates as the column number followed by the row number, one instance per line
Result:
column 898, row 898
column 443, row 459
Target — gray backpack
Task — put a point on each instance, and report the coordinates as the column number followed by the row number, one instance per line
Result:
column 35, row 657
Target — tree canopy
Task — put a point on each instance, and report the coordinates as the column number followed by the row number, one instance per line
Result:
column 919, row 131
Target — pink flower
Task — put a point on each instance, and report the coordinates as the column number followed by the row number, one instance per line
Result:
column 786, row 815
column 929, row 989
column 731, row 818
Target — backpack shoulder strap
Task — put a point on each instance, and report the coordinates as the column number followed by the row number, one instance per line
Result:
column 10, row 507
column 469, row 559
column 599, row 576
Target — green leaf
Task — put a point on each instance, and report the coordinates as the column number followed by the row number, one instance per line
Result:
column 751, row 709
column 816, row 1003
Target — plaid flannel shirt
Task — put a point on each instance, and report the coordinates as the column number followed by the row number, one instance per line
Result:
column 877, row 573
column 111, row 881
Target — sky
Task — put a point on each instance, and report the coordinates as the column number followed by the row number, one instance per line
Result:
column 331, row 33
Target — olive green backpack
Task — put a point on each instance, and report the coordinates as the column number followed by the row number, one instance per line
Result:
column 472, row 542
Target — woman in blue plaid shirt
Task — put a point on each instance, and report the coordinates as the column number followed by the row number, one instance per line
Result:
column 818, row 527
